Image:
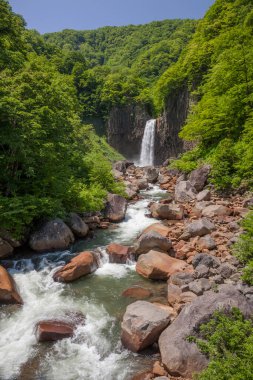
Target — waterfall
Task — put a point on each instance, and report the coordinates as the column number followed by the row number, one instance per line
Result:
column 148, row 144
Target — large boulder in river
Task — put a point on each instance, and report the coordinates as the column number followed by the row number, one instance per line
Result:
column 77, row 225
column 116, row 207
column 158, row 266
column 216, row 210
column 151, row 174
column 52, row 235
column 122, row 166
column 183, row 358
column 8, row 289
column 167, row 211
column 185, row 192
column 142, row 325
column 152, row 240
column 50, row 331
column 81, row 265
column 5, row 249
column 198, row 177
column 118, row 253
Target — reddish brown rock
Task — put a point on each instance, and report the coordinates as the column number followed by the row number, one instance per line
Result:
column 159, row 228
column 8, row 289
column 118, row 253
column 79, row 266
column 50, row 331
column 158, row 266
column 137, row 292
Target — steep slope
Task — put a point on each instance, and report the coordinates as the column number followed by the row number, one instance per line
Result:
column 216, row 68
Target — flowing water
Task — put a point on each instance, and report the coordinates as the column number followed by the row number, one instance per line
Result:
column 148, row 144
column 95, row 352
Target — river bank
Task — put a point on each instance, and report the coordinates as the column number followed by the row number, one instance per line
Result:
column 98, row 296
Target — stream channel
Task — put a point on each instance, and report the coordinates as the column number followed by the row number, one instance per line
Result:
column 95, row 352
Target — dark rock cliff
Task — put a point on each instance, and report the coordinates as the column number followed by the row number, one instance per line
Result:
column 125, row 129
column 168, row 144
column 126, row 126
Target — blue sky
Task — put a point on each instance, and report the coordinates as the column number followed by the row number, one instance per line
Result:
column 55, row 15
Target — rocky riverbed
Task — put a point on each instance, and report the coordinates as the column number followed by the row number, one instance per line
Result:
column 155, row 270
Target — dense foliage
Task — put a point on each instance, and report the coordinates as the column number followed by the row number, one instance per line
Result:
column 217, row 68
column 118, row 65
column 49, row 162
column 243, row 249
column 227, row 339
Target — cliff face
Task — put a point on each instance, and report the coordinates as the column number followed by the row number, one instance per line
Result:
column 168, row 144
column 126, row 126
column 125, row 129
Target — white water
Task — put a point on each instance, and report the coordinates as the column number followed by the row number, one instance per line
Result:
column 148, row 144
column 95, row 352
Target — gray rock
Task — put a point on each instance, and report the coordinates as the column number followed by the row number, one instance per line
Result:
column 205, row 259
column 206, row 242
column 142, row 184
column 199, row 286
column 181, row 278
column 52, row 235
column 152, row 240
column 198, row 177
column 142, row 325
column 116, row 207
column 5, row 249
column 167, row 211
column 217, row 279
column 181, row 357
column 173, row 295
column 226, row 270
column 215, row 210
column 184, row 192
column 122, row 166
column 248, row 203
column 77, row 225
column 151, row 174
column 201, row 271
column 200, row 227
column 204, row 195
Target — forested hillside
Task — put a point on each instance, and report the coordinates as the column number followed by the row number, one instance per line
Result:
column 217, row 67
column 118, row 65
column 50, row 163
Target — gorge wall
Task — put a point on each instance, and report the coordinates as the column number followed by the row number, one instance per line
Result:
column 126, row 126
column 125, row 129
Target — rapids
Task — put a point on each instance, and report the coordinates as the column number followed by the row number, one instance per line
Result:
column 95, row 352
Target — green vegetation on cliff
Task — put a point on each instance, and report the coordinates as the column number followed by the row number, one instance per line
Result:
column 217, row 68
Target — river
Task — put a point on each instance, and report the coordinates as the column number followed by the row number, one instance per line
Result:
column 95, row 352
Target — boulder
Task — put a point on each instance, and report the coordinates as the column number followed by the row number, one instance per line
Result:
column 81, row 265
column 181, row 357
column 216, row 210
column 174, row 294
column 50, row 331
column 184, row 192
column 5, row 249
column 8, row 289
column 118, row 253
column 198, row 177
column 137, row 292
column 152, row 240
column 159, row 228
column 142, row 184
column 151, row 174
column 122, row 166
column 158, row 266
column 52, row 235
column 181, row 278
column 206, row 242
column 167, row 211
column 205, row 259
column 204, row 195
column 199, row 227
column 116, row 207
column 77, row 225
column 5, row 235
column 142, row 325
